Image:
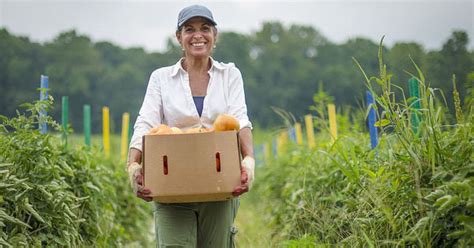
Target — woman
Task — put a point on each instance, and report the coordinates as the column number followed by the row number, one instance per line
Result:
column 192, row 93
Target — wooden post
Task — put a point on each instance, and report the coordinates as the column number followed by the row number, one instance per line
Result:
column 87, row 124
column 308, row 120
column 332, row 121
column 124, row 143
column 106, row 130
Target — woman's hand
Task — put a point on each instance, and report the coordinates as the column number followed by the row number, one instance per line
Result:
column 135, row 175
column 246, row 176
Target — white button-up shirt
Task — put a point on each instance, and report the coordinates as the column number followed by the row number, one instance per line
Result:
column 168, row 100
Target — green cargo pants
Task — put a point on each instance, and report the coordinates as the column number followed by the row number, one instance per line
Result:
column 196, row 225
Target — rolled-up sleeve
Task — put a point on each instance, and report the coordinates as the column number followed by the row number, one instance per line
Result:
column 151, row 112
column 236, row 101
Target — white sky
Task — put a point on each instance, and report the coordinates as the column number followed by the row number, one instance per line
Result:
column 148, row 23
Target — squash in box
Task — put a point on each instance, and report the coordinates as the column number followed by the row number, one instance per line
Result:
column 226, row 122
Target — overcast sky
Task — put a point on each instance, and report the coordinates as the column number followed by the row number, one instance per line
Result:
column 148, row 23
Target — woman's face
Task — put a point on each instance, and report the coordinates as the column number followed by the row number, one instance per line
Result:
column 197, row 37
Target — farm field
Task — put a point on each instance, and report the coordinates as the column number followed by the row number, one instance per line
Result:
column 409, row 185
column 410, row 190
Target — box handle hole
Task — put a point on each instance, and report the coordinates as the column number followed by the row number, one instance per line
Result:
column 165, row 165
column 218, row 162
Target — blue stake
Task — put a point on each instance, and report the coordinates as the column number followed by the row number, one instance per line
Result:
column 274, row 147
column 371, row 120
column 43, row 96
column 292, row 134
column 258, row 154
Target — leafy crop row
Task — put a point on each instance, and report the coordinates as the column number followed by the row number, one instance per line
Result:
column 415, row 189
column 57, row 196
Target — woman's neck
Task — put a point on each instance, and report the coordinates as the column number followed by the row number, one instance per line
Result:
column 196, row 65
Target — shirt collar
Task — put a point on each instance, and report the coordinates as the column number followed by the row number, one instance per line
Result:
column 177, row 67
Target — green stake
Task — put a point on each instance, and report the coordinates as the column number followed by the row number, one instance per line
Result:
column 65, row 114
column 130, row 130
column 413, row 84
column 87, row 124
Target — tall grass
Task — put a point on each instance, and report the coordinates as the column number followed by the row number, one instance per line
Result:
column 414, row 189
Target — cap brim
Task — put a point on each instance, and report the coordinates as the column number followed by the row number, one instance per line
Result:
column 190, row 17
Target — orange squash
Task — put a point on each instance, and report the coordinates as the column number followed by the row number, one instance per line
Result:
column 193, row 130
column 207, row 130
column 176, row 130
column 153, row 130
column 161, row 129
column 226, row 122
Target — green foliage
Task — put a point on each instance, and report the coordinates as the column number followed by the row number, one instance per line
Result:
column 414, row 189
column 55, row 196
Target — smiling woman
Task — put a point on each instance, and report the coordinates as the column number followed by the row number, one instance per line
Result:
column 197, row 37
column 193, row 93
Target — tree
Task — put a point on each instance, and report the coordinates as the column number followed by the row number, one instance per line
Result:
column 454, row 58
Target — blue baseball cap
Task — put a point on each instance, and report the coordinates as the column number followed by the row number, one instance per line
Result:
column 194, row 11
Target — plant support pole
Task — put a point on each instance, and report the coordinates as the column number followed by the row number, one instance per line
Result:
column 332, row 121
column 308, row 120
column 299, row 134
column 124, row 143
column 43, row 96
column 65, row 117
column 414, row 93
column 106, row 130
column 372, row 118
column 87, row 124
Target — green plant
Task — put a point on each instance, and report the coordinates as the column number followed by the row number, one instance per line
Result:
column 56, row 196
column 414, row 189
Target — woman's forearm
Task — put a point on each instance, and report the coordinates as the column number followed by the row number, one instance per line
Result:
column 134, row 155
column 246, row 142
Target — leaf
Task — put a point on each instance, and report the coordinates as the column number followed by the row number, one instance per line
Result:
column 382, row 123
column 435, row 195
column 30, row 209
column 92, row 186
column 4, row 243
column 460, row 186
column 456, row 234
column 449, row 204
column 12, row 219
column 370, row 173
column 442, row 200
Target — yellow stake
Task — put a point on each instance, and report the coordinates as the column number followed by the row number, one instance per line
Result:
column 332, row 121
column 266, row 150
column 308, row 120
column 124, row 143
column 299, row 134
column 282, row 140
column 106, row 130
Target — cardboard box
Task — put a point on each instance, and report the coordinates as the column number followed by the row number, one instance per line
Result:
column 195, row 167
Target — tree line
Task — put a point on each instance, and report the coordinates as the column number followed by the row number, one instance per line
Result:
column 282, row 66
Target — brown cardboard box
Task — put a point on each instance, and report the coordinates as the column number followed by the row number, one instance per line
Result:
column 184, row 167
